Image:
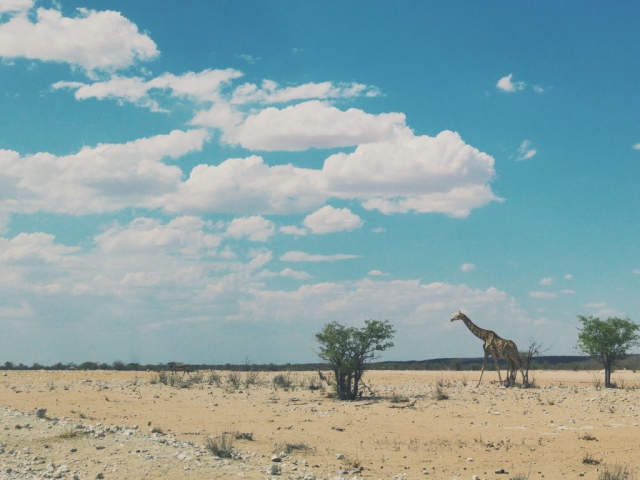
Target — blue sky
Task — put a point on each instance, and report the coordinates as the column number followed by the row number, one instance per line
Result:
column 215, row 182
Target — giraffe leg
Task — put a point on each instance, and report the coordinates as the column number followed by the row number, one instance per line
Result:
column 495, row 361
column 484, row 363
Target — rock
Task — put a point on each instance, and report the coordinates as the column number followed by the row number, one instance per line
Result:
column 500, row 470
column 274, row 470
column 339, row 456
column 99, row 476
column 276, row 458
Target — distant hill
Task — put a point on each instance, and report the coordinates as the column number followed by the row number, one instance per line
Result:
column 552, row 362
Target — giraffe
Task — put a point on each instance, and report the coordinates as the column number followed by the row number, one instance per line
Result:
column 179, row 367
column 497, row 347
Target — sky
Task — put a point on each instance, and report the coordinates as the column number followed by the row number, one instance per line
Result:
column 212, row 182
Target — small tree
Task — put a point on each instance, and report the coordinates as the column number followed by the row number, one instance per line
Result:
column 526, row 356
column 348, row 349
column 607, row 340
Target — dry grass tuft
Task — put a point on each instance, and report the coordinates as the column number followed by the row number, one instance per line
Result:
column 221, row 446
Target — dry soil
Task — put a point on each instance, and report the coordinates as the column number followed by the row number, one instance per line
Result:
column 416, row 424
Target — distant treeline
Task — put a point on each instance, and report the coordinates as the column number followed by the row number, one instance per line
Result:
column 550, row 362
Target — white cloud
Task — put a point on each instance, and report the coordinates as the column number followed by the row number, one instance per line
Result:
column 379, row 230
column 270, row 92
column 546, row 281
column 544, row 295
column 467, row 267
column 298, row 275
column 609, row 312
column 423, row 174
column 595, row 305
column 247, row 186
column 200, row 87
column 306, row 257
column 256, row 228
column 248, row 58
column 146, row 235
column 525, row 151
column 505, row 84
column 408, row 302
column 636, row 271
column 637, row 146
column 568, row 292
column 312, row 124
column 419, row 173
column 15, row 5
column 331, row 220
column 293, row 230
column 377, row 273
column 30, row 248
column 104, row 178
column 568, row 276
column 93, row 40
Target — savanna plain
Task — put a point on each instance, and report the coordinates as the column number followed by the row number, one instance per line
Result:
column 410, row 424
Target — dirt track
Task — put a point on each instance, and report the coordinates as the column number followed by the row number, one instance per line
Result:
column 402, row 432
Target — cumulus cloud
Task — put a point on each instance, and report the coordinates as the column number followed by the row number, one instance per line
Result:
column 507, row 85
column 419, row 173
column 293, row 230
column 298, row 275
column 312, row 124
column 306, row 257
column 247, row 185
column 546, row 281
column 29, row 248
column 467, row 267
column 544, row 295
column 184, row 234
column 407, row 301
column 568, row 292
column 256, row 228
column 376, row 273
column 636, row 271
column 525, row 151
column 92, row 40
column 407, row 173
column 637, row 146
column 15, row 5
column 331, row 220
column 104, row 178
column 568, row 276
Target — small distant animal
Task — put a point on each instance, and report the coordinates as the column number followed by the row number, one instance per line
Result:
column 179, row 367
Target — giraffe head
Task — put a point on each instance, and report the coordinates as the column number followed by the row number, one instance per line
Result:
column 458, row 316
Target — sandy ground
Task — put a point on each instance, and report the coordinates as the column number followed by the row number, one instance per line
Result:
column 99, row 425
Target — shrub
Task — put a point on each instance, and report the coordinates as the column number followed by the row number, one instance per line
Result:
column 617, row 471
column 221, row 446
column 233, row 379
column 251, row 378
column 214, row 379
column 282, row 381
column 589, row 460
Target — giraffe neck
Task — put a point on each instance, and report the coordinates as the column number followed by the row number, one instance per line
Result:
column 481, row 333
